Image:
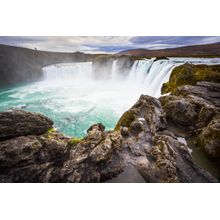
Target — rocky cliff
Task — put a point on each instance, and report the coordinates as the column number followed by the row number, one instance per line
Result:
column 25, row 65
column 21, row 65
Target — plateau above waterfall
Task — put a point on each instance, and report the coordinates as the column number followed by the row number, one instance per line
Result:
column 74, row 97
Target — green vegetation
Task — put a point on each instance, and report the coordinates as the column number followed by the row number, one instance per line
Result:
column 125, row 120
column 189, row 74
column 51, row 130
column 74, row 141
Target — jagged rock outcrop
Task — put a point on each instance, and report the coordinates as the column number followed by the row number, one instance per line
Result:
column 207, row 90
column 51, row 157
column 189, row 74
column 196, row 109
column 155, row 152
column 141, row 143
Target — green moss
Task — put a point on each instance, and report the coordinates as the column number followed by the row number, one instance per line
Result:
column 189, row 74
column 51, row 130
column 74, row 141
column 125, row 120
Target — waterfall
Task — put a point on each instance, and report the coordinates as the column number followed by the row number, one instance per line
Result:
column 114, row 70
column 152, row 74
column 146, row 75
column 75, row 96
column 68, row 71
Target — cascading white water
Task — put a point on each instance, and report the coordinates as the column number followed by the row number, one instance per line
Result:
column 74, row 100
column 147, row 74
column 68, row 71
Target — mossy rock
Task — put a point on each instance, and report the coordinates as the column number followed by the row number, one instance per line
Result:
column 189, row 74
column 126, row 119
column 51, row 130
column 74, row 141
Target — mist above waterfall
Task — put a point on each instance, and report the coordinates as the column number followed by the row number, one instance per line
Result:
column 77, row 95
column 144, row 76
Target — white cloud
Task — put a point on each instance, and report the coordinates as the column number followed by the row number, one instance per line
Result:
column 105, row 44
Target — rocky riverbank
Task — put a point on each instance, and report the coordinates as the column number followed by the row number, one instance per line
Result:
column 144, row 146
column 34, row 152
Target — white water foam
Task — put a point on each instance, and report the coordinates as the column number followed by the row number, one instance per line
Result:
column 146, row 76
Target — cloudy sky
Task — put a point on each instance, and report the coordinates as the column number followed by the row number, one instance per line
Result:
column 110, row 44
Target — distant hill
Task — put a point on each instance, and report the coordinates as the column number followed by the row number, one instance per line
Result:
column 206, row 50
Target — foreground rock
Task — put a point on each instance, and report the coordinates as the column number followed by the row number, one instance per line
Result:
column 209, row 138
column 196, row 109
column 17, row 123
column 140, row 143
column 156, row 153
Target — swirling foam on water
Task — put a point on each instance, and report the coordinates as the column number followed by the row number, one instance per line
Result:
column 74, row 100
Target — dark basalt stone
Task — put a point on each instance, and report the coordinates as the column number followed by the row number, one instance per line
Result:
column 18, row 123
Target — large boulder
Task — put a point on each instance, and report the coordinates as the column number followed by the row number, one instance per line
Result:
column 146, row 109
column 18, row 122
column 189, row 74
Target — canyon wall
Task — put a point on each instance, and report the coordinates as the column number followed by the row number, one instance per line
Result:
column 18, row 65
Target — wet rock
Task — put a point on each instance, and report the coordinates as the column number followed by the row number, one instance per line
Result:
column 18, row 122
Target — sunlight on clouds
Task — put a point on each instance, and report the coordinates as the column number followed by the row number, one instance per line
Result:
column 105, row 44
